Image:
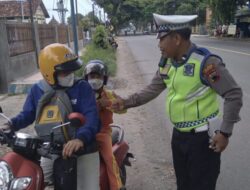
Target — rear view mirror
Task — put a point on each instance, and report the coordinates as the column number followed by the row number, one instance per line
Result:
column 1, row 110
column 76, row 119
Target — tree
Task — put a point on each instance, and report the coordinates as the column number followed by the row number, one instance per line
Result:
column 223, row 11
column 139, row 12
column 78, row 17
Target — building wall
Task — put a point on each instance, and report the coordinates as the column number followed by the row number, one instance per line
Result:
column 39, row 16
column 16, row 67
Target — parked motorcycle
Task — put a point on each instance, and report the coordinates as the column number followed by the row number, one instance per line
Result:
column 20, row 169
column 112, row 42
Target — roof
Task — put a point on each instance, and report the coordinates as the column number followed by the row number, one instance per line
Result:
column 53, row 21
column 13, row 8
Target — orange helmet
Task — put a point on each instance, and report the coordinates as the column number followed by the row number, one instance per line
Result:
column 57, row 57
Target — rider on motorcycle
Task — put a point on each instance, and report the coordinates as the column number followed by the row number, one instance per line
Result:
column 57, row 64
column 96, row 74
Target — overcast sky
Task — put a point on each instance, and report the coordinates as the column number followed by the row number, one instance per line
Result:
column 84, row 7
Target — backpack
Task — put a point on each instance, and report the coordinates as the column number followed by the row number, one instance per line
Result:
column 52, row 110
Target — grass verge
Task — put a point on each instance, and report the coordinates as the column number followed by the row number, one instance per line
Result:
column 108, row 56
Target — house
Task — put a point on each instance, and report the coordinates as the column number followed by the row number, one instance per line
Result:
column 20, row 10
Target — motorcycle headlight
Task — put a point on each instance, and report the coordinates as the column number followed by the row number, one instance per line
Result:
column 20, row 183
column 6, row 175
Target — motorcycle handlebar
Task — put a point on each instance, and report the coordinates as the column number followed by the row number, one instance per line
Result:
column 6, row 136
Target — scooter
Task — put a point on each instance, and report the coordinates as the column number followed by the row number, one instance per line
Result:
column 20, row 168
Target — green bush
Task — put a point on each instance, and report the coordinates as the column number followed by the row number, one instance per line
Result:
column 108, row 56
column 100, row 37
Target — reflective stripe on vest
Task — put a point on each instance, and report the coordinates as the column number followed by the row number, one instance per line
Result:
column 188, row 99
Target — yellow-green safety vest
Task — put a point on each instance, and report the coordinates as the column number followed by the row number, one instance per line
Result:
column 189, row 102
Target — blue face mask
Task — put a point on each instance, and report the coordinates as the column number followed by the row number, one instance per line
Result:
column 66, row 81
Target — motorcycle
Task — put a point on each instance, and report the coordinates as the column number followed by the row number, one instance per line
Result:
column 20, row 168
column 112, row 42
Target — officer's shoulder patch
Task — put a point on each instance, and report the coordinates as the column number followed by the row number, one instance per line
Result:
column 210, row 73
column 189, row 69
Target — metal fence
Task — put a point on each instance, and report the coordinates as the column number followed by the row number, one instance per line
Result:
column 47, row 34
column 62, row 34
column 20, row 39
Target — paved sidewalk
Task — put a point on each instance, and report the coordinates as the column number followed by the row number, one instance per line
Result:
column 23, row 85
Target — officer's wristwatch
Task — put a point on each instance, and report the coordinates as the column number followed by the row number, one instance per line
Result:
column 227, row 135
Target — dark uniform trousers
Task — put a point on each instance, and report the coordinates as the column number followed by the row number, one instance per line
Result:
column 196, row 165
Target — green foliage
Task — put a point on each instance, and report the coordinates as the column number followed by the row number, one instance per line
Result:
column 108, row 56
column 100, row 37
column 139, row 12
column 85, row 23
column 77, row 16
column 94, row 20
column 224, row 10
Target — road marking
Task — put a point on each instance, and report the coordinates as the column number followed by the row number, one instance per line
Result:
column 226, row 50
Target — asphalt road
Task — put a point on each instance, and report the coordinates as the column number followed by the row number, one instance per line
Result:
column 235, row 169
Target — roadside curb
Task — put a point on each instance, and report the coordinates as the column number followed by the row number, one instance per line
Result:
column 3, row 96
column 23, row 85
column 19, row 88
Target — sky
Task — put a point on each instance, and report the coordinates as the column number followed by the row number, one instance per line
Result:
column 84, row 7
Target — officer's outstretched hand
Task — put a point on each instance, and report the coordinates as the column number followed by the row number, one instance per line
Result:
column 72, row 146
column 117, row 104
column 104, row 101
column 219, row 142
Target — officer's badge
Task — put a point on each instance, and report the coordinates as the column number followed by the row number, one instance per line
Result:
column 210, row 73
column 189, row 69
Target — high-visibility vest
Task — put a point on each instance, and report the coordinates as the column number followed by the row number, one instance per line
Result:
column 189, row 102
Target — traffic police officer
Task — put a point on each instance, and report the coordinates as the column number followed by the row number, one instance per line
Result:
column 194, row 77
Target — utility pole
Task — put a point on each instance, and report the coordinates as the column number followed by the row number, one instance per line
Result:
column 61, row 10
column 33, row 31
column 77, row 19
column 74, row 26
column 104, row 17
column 100, row 19
column 21, row 2
column 93, row 7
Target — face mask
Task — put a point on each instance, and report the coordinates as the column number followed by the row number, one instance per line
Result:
column 66, row 81
column 96, row 84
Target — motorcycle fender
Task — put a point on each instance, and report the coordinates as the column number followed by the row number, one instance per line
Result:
column 22, row 167
column 120, row 151
column 88, row 171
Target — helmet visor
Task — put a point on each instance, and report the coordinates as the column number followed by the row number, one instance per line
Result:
column 72, row 65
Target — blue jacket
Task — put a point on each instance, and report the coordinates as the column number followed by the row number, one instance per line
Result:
column 83, row 101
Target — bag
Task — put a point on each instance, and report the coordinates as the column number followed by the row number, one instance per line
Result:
column 65, row 173
column 52, row 110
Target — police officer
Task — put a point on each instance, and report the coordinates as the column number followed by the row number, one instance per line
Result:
column 194, row 77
